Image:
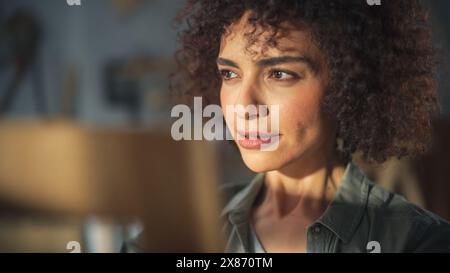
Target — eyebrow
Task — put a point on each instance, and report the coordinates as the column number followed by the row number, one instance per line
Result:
column 226, row 62
column 273, row 61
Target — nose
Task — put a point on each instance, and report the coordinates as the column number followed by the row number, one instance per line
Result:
column 251, row 98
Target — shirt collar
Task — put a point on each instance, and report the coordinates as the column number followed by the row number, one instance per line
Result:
column 342, row 216
column 345, row 212
column 240, row 205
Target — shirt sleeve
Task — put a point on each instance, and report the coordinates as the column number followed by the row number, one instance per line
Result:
column 435, row 239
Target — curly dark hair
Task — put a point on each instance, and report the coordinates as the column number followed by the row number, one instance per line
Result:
column 382, row 91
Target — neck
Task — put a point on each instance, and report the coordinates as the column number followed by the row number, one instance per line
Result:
column 305, row 186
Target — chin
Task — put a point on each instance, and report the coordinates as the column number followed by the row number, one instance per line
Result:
column 260, row 161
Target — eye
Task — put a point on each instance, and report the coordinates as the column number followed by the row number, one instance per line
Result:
column 228, row 75
column 280, row 75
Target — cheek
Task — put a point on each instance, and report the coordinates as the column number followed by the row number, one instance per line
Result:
column 303, row 112
column 227, row 95
column 225, row 99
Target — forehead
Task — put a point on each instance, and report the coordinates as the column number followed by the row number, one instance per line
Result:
column 244, row 38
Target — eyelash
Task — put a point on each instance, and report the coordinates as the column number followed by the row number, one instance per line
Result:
column 272, row 72
column 224, row 71
column 292, row 75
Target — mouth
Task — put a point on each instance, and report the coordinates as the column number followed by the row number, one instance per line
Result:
column 254, row 140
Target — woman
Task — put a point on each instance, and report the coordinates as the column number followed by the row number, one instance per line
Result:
column 348, row 78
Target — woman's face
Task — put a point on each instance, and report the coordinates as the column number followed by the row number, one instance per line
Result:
column 291, row 76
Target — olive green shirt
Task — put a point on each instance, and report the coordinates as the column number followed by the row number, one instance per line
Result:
column 362, row 217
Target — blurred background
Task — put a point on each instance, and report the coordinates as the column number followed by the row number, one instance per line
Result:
column 84, row 90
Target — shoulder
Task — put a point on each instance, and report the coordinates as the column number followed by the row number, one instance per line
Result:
column 419, row 229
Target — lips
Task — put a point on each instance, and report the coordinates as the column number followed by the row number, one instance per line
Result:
column 254, row 140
